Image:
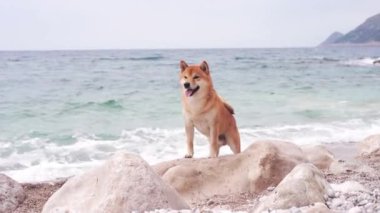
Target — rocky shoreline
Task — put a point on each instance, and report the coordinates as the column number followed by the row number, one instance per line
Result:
column 269, row 176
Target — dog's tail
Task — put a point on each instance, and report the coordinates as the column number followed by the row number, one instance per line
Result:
column 229, row 107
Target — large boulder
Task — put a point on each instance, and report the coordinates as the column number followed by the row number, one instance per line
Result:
column 318, row 155
column 303, row 186
column 370, row 146
column 261, row 165
column 125, row 183
column 11, row 194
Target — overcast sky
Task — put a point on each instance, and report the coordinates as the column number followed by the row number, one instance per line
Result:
column 127, row 24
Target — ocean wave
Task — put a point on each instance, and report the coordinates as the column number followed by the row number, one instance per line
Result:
column 145, row 58
column 14, row 59
column 329, row 59
column 113, row 104
column 367, row 62
column 38, row 159
column 316, row 133
column 323, row 58
column 108, row 104
column 315, row 59
column 239, row 58
column 148, row 58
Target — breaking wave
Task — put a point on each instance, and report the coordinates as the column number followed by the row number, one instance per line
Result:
column 38, row 158
column 363, row 62
column 146, row 58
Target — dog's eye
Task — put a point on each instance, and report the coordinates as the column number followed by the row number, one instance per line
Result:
column 196, row 77
column 185, row 77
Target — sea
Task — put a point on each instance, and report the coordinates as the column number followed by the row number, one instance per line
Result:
column 63, row 112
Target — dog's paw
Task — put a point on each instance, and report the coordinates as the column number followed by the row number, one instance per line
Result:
column 188, row 156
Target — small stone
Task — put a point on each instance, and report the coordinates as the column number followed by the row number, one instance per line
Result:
column 360, row 198
column 189, row 211
column 197, row 210
column 355, row 209
column 326, row 197
column 221, row 208
column 210, row 202
column 376, row 191
column 363, row 202
column 348, row 205
column 271, row 188
column 336, row 203
column 343, row 197
column 295, row 210
column 330, row 193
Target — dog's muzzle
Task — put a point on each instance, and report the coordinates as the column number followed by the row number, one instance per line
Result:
column 189, row 91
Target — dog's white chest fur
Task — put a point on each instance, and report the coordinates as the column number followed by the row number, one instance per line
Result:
column 203, row 121
column 202, row 125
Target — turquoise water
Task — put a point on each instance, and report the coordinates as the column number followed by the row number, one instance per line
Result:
column 64, row 111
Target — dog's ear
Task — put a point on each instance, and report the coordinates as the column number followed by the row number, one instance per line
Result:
column 204, row 67
column 183, row 65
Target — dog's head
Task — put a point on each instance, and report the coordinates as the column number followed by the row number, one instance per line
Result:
column 195, row 79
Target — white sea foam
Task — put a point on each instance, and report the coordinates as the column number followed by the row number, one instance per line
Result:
column 362, row 62
column 37, row 160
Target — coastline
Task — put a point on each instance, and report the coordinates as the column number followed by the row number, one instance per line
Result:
column 38, row 193
column 372, row 44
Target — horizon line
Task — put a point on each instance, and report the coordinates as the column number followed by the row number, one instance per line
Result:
column 176, row 48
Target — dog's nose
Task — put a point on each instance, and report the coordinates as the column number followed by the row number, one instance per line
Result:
column 186, row 85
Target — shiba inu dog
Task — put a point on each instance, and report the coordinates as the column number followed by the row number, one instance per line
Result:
column 205, row 110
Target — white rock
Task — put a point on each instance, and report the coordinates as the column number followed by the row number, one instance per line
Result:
column 263, row 164
column 336, row 203
column 303, row 186
column 11, row 194
column 124, row 183
column 318, row 155
column 337, row 193
column 370, row 146
column 363, row 202
column 349, row 187
column 355, row 209
column 376, row 191
column 369, row 205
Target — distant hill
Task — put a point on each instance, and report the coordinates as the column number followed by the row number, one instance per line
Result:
column 367, row 33
column 332, row 38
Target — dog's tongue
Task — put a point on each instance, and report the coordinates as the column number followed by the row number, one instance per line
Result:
column 189, row 92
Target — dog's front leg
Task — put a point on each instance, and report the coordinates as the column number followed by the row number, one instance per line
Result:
column 190, row 138
column 214, row 147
